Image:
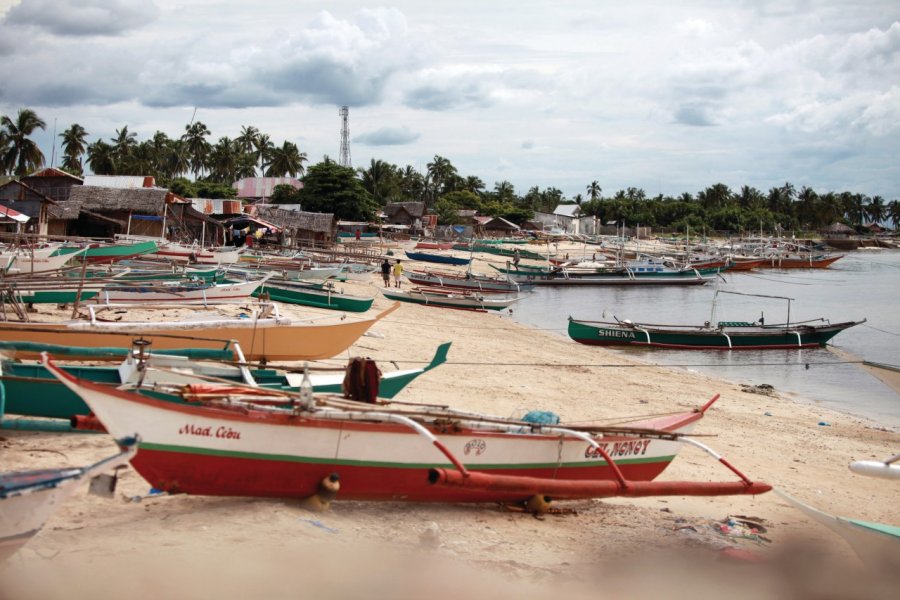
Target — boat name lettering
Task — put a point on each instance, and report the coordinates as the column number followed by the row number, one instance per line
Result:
column 616, row 333
column 476, row 446
column 221, row 432
column 625, row 448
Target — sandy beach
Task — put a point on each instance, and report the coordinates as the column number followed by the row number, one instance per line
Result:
column 198, row 547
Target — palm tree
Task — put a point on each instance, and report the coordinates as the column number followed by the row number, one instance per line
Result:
column 876, row 211
column 287, row 160
column 73, row 146
column 594, row 190
column 412, row 184
column 505, row 191
column 263, row 148
column 247, row 140
column 122, row 146
column 893, row 210
column 21, row 155
column 377, row 179
column 474, row 184
column 440, row 171
column 223, row 160
column 100, row 158
column 196, row 146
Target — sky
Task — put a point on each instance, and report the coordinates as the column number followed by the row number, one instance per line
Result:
column 670, row 97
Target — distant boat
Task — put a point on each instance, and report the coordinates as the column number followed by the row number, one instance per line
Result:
column 444, row 259
column 711, row 335
column 450, row 298
column 601, row 276
column 28, row 498
column 466, row 281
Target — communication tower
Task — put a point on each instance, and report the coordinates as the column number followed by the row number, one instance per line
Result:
column 345, row 136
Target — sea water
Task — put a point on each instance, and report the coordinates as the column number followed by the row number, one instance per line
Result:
column 862, row 284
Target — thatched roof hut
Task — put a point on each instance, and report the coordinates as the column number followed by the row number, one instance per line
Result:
column 143, row 201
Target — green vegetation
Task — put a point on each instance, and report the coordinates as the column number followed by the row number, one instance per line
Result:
column 357, row 194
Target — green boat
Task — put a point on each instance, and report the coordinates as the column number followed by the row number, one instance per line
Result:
column 28, row 389
column 725, row 335
column 318, row 295
column 488, row 249
column 106, row 253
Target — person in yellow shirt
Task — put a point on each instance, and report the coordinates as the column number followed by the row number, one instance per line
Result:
column 398, row 273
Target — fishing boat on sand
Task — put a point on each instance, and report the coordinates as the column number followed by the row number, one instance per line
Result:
column 450, row 298
column 181, row 292
column 711, row 335
column 392, row 452
column 269, row 339
column 28, row 498
column 465, row 281
column 31, row 391
column 444, row 259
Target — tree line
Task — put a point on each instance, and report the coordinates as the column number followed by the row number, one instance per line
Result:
column 358, row 193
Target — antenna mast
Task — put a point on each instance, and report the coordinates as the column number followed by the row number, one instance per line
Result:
column 345, row 136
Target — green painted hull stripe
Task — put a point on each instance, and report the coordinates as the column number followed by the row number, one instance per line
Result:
column 362, row 463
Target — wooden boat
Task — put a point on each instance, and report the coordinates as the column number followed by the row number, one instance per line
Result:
column 466, row 281
column 884, row 469
column 28, row 498
column 434, row 245
column 876, row 544
column 617, row 276
column 745, row 263
column 444, row 259
column 449, row 298
column 105, row 253
column 31, row 391
column 262, row 339
column 181, row 292
column 795, row 261
column 24, row 264
column 326, row 296
column 222, row 255
column 724, row 335
column 420, row 453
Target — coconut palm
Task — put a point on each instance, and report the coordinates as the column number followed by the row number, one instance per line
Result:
column 893, row 212
column 100, row 158
column 286, row 161
column 21, row 155
column 262, row 150
column 594, row 190
column 440, row 171
column 74, row 146
column 122, row 147
column 379, row 180
column 196, row 146
column 876, row 210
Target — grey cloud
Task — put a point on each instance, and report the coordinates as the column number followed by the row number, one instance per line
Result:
column 446, row 97
column 83, row 17
column 388, row 136
column 694, row 115
column 528, row 145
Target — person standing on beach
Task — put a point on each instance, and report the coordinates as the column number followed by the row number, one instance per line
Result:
column 398, row 273
column 516, row 259
column 386, row 272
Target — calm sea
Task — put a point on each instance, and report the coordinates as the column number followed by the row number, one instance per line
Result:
column 860, row 285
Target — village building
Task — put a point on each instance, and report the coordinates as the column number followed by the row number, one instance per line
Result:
column 259, row 189
column 408, row 215
column 24, row 209
column 298, row 228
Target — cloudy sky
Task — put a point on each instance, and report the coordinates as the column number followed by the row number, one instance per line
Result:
column 668, row 96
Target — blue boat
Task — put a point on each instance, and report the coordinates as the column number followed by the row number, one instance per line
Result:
column 444, row 259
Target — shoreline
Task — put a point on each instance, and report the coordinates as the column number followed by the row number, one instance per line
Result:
column 496, row 366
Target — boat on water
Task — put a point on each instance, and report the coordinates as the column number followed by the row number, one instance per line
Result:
column 450, row 298
column 444, row 259
column 392, row 452
column 268, row 339
column 31, row 391
column 711, row 335
column 601, row 276
column 28, row 498
column 800, row 261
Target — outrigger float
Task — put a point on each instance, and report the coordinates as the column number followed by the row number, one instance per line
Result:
column 229, row 447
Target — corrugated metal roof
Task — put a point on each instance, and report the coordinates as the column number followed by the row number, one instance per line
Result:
column 127, row 182
column 262, row 187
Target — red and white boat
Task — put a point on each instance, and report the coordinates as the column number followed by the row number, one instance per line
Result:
column 225, row 255
column 407, row 452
